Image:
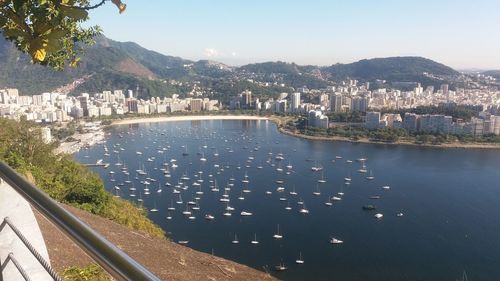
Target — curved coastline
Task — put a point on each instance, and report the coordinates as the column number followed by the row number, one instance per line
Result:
column 187, row 118
column 279, row 121
column 405, row 143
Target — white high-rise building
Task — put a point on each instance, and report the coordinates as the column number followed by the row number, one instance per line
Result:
column 295, row 97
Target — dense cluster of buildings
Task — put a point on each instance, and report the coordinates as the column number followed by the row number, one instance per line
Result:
column 485, row 124
column 55, row 107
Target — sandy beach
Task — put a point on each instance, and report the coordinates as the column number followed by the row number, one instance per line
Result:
column 187, row 118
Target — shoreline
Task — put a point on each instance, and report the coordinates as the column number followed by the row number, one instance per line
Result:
column 186, row 118
column 73, row 147
column 405, row 143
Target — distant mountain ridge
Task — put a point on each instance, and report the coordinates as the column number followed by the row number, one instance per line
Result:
column 127, row 65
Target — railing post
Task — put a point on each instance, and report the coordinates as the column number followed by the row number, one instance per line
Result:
column 117, row 263
column 1, row 265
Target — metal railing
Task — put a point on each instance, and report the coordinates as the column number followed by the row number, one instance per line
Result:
column 113, row 260
column 34, row 252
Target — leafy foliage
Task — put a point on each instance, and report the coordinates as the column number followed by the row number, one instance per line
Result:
column 64, row 179
column 464, row 112
column 49, row 30
column 92, row 272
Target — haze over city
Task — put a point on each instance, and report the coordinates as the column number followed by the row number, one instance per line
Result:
column 456, row 33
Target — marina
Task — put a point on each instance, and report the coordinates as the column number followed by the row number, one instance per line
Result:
column 229, row 188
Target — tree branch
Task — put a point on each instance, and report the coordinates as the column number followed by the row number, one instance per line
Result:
column 92, row 7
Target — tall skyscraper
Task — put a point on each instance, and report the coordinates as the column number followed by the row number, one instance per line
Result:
column 295, row 97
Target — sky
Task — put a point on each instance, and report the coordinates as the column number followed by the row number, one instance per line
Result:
column 461, row 34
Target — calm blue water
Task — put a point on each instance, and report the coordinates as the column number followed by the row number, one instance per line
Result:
column 450, row 200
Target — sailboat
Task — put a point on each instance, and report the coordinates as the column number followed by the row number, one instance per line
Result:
column 203, row 159
column 179, row 200
column 363, row 168
column 293, row 192
column 245, row 179
column 348, row 178
column 278, row 235
column 335, row 241
column 171, row 208
column 154, row 208
column 280, row 267
column 329, row 202
column 316, row 168
column 299, row 260
column 185, row 153
column 254, row 241
column 187, row 211
column 304, row 210
column 235, row 240
column 317, row 192
column 322, row 179
column 371, row 176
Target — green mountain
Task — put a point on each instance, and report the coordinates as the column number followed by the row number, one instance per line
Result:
column 394, row 69
column 125, row 65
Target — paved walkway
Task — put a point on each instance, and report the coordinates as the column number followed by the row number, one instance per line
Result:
column 12, row 205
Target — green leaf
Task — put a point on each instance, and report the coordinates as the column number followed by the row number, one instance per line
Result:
column 14, row 33
column 75, row 13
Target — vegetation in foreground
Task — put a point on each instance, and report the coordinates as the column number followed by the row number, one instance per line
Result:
column 91, row 272
column 64, row 179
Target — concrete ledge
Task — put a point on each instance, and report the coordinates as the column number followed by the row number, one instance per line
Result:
column 12, row 205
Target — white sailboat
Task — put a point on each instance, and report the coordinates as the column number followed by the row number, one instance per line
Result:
column 235, row 240
column 278, row 235
column 254, row 241
column 300, row 260
column 371, row 176
column 335, row 241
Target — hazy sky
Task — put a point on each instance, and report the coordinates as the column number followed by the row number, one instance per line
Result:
column 459, row 33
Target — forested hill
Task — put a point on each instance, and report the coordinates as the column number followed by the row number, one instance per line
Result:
column 126, row 65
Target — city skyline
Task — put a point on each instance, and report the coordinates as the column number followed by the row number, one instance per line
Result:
column 455, row 33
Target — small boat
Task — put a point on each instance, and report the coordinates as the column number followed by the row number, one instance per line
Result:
column 386, row 187
column 209, row 217
column 399, row 214
column 375, row 197
column 329, row 202
column 379, row 216
column 235, row 240
column 299, row 260
column 254, row 241
column 278, row 235
column 335, row 198
column 280, row 267
column 183, row 242
column 335, row 241
column 304, row 210
column 370, row 177
column 369, row 207
column 322, row 179
column 317, row 192
column 243, row 213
